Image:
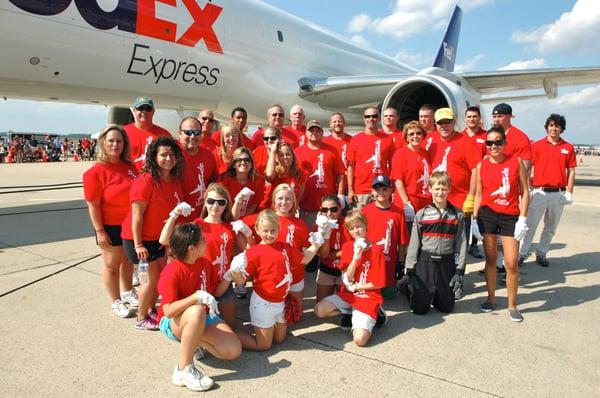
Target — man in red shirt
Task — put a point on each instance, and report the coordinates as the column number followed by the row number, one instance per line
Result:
column 297, row 127
column 275, row 117
column 553, row 176
column 339, row 140
column 239, row 118
column 426, row 118
column 142, row 131
column 370, row 155
column 390, row 127
column 206, row 118
column 517, row 142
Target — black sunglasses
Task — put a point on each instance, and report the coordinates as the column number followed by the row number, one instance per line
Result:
column 333, row 209
column 270, row 138
column 371, row 116
column 190, row 133
column 144, row 108
column 206, row 118
column 220, row 202
column 240, row 160
column 277, row 114
column 443, row 122
column 492, row 142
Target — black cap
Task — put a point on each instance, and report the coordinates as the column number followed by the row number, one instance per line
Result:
column 381, row 180
column 502, row 109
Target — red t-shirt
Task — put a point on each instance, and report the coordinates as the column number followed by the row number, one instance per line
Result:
column 551, row 161
column 479, row 140
column 247, row 142
column 274, row 268
column 234, row 187
column 260, row 156
column 297, row 183
column 397, row 137
column 338, row 237
column 179, row 280
column 292, row 230
column 323, row 168
column 160, row 197
column 371, row 156
column 109, row 184
column 429, row 139
column 199, row 171
column 387, row 229
column 457, row 156
column 370, row 268
column 221, row 165
column 208, row 143
column 220, row 241
column 139, row 141
column 517, row 143
column 500, row 183
column 300, row 134
column 413, row 169
column 341, row 147
column 286, row 134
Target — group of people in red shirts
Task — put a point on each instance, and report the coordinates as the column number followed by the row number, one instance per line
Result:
column 227, row 209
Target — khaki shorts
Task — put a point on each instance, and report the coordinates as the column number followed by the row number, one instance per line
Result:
column 328, row 280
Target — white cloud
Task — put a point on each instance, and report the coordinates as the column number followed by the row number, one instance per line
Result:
column 470, row 64
column 526, row 64
column 575, row 31
column 360, row 40
column 589, row 96
column 358, row 23
column 416, row 60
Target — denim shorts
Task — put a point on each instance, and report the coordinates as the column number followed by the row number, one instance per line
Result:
column 165, row 325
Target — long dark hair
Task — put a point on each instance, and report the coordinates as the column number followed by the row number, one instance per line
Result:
column 152, row 166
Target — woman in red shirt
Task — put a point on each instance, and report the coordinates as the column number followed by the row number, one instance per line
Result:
column 501, row 203
column 106, row 190
column 156, row 191
column 230, row 139
column 282, row 167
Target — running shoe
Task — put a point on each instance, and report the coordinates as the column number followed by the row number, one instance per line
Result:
column 541, row 260
column 498, row 271
column 515, row 315
column 120, row 309
column 192, row 378
column 153, row 315
column 382, row 318
column 146, row 324
column 521, row 261
column 346, row 323
column 240, row 292
column 475, row 251
column 130, row 297
column 487, row 307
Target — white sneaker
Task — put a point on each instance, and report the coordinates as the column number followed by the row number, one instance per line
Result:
column 130, row 297
column 192, row 378
column 120, row 309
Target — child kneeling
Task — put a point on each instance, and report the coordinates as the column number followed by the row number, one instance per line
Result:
column 188, row 285
column 363, row 274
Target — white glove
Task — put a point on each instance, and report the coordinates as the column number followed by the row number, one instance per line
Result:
column 244, row 194
column 322, row 221
column 207, row 299
column 359, row 245
column 475, row 229
column 182, row 209
column 351, row 286
column 566, row 198
column 325, row 225
column 409, row 212
column 240, row 226
column 316, row 238
column 343, row 201
column 521, row 228
column 239, row 263
column 227, row 276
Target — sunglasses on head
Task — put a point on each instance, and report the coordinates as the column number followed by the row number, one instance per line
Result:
column 333, row 209
column 220, row 202
column 190, row 133
column 240, row 160
column 375, row 116
column 277, row 114
column 207, row 119
column 144, row 108
column 272, row 138
column 492, row 142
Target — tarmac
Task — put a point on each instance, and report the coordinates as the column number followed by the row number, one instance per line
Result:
column 61, row 338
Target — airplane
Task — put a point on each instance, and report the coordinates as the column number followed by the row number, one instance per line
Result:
column 189, row 55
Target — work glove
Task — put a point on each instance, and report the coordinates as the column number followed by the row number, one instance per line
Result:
column 182, row 209
column 468, row 204
column 239, row 263
column 239, row 226
column 409, row 212
column 410, row 280
column 208, row 300
column 360, row 244
column 456, row 283
column 475, row 230
column 566, row 198
column 244, row 194
column 316, row 238
column 521, row 228
column 350, row 286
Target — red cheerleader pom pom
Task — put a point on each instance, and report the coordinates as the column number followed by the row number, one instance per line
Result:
column 292, row 309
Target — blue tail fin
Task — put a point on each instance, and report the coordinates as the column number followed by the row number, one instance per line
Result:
column 446, row 55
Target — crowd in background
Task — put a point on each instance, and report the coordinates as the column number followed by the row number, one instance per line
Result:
column 23, row 149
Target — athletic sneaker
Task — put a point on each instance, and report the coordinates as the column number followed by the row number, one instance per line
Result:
column 153, row 315
column 199, row 354
column 192, row 378
column 130, row 297
column 475, row 251
column 541, row 260
column 382, row 318
column 515, row 315
column 240, row 291
column 521, row 261
column 146, row 324
column 120, row 309
column 487, row 307
column 503, row 279
column 346, row 322
column 498, row 271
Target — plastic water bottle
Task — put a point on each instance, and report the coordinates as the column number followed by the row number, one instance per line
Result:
column 143, row 276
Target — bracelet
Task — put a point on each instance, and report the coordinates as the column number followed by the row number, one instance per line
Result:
column 138, row 246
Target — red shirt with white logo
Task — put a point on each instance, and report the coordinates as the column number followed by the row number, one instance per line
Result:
column 323, row 168
column 179, row 280
column 517, row 143
column 500, row 183
column 370, row 268
column 287, row 135
column 337, row 238
column 551, row 161
column 397, row 137
column 160, row 198
column 247, row 142
column 109, row 183
column 371, row 155
column 274, row 269
column 139, row 140
column 297, row 183
column 479, row 140
column 457, row 156
column 234, row 187
column 199, row 171
column 429, row 139
column 300, row 134
column 413, row 169
column 220, row 241
column 387, row 229
column 341, row 147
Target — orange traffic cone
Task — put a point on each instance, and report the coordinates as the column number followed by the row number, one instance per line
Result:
column 76, row 157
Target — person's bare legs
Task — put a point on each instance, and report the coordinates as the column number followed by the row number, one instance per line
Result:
column 227, row 312
column 221, row 341
column 189, row 329
column 112, row 257
column 491, row 255
column 511, row 255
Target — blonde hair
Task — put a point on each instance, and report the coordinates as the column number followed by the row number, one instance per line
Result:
column 228, row 128
column 413, row 125
column 267, row 216
column 440, row 177
column 101, row 157
column 222, row 191
column 279, row 169
column 355, row 217
column 285, row 187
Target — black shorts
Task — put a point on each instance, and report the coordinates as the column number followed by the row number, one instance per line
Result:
column 155, row 250
column 491, row 222
column 114, row 233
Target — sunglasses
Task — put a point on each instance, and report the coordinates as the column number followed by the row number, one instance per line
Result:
column 371, row 116
column 333, row 209
column 272, row 138
column 414, row 133
column 497, row 142
column 443, row 122
column 240, row 160
column 207, row 119
column 190, row 133
column 220, row 202
column 277, row 114
column 144, row 108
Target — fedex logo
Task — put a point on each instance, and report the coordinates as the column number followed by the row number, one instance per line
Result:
column 139, row 16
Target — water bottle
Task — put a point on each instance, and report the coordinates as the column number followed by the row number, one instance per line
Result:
column 143, row 276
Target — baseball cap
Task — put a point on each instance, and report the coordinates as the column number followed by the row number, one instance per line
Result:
column 140, row 101
column 444, row 113
column 502, row 109
column 381, row 180
column 314, row 123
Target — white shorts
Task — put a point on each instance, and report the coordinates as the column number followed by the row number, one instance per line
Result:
column 265, row 314
column 326, row 279
column 297, row 287
column 360, row 320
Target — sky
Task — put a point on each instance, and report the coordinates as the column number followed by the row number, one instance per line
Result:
column 495, row 35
